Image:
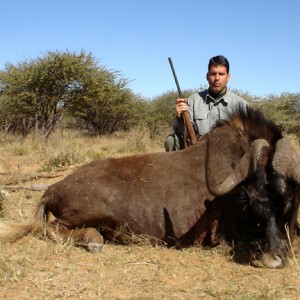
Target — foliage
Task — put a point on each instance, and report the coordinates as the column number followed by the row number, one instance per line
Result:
column 161, row 112
column 8, row 115
column 113, row 107
column 250, row 99
column 284, row 110
column 38, row 92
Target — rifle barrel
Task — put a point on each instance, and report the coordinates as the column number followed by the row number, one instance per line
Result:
column 186, row 116
column 175, row 77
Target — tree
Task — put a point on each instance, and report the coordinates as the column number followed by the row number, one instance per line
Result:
column 111, row 107
column 41, row 90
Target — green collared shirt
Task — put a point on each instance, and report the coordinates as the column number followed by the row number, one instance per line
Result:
column 205, row 111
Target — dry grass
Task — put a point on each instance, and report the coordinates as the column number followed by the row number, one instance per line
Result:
column 33, row 268
column 67, row 148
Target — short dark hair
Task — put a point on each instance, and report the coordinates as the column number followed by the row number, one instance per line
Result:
column 218, row 60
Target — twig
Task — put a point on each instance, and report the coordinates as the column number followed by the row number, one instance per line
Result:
column 291, row 246
column 26, row 178
column 34, row 187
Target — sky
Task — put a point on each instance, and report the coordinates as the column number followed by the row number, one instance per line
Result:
column 260, row 38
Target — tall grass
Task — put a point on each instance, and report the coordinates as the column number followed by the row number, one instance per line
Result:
column 65, row 148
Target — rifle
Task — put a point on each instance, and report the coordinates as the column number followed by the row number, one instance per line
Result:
column 184, row 115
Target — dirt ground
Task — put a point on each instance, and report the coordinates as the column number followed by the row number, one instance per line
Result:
column 34, row 268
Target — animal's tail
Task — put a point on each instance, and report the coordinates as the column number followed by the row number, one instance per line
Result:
column 10, row 232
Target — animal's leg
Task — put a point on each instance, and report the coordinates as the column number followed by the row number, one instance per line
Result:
column 88, row 238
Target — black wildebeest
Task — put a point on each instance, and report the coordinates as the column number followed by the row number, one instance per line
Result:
column 240, row 182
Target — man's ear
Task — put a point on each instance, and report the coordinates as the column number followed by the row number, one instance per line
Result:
column 207, row 76
column 228, row 77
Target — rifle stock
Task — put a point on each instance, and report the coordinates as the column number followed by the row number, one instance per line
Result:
column 185, row 114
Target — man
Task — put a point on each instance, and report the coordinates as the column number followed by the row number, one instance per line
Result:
column 207, row 107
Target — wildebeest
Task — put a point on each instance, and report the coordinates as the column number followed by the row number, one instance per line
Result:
column 239, row 182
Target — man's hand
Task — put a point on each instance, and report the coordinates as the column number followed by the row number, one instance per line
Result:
column 181, row 105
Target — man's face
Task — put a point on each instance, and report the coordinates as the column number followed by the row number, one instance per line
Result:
column 217, row 78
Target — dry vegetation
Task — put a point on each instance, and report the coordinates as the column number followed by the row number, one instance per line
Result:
column 33, row 268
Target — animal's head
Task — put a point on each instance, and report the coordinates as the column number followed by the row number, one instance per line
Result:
column 248, row 145
column 266, row 165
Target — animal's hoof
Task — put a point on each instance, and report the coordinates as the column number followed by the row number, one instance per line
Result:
column 94, row 247
column 256, row 263
column 268, row 261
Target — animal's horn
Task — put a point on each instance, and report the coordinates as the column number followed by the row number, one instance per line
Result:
column 286, row 160
column 251, row 161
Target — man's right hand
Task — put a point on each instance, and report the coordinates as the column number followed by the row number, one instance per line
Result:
column 181, row 105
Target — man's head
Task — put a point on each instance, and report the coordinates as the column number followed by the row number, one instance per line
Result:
column 218, row 74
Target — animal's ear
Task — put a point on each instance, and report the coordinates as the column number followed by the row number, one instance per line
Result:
column 286, row 160
column 251, row 161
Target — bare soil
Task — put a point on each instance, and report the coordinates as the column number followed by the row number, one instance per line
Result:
column 34, row 268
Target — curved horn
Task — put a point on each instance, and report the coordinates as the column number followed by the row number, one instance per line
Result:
column 250, row 162
column 286, row 160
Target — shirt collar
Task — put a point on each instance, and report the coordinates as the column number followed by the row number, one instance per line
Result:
column 216, row 99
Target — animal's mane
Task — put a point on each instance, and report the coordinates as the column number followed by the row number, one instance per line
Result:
column 253, row 122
